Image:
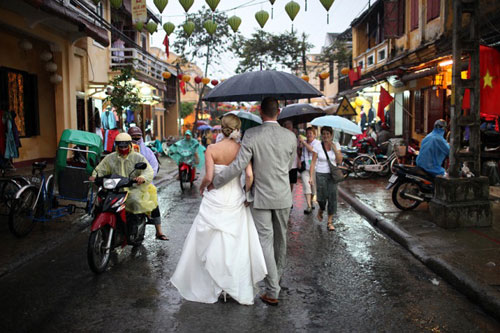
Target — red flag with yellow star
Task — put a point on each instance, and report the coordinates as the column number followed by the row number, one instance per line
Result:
column 489, row 72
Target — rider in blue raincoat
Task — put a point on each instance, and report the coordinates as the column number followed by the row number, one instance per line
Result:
column 188, row 150
column 433, row 150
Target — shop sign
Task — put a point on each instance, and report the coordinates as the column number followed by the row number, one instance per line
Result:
column 139, row 11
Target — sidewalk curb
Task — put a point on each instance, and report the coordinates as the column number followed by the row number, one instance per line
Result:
column 81, row 224
column 481, row 294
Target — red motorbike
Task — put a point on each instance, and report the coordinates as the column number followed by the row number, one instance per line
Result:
column 187, row 171
column 112, row 226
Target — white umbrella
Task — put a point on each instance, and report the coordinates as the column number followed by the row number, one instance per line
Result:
column 337, row 123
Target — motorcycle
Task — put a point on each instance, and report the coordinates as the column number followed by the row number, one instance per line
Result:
column 112, row 225
column 411, row 186
column 186, row 170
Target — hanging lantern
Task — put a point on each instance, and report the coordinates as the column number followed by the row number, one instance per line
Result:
column 234, row 22
column 51, row 67
column 305, row 78
column 139, row 25
column 151, row 26
column 169, row 27
column 344, row 71
column 55, row 78
column 179, row 76
column 160, row 4
column 188, row 27
column 272, row 7
column 45, row 56
column 210, row 26
column 324, row 75
column 197, row 79
column 214, row 82
column 292, row 9
column 186, row 78
column 25, row 45
column 205, row 80
column 166, row 75
column 186, row 4
column 116, row 3
column 359, row 101
column 262, row 16
column 212, row 4
column 327, row 4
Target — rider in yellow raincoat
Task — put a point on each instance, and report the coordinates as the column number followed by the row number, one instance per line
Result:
column 142, row 198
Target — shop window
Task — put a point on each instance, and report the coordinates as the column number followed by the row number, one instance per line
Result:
column 381, row 55
column 414, row 14
column 370, row 60
column 433, row 9
column 19, row 93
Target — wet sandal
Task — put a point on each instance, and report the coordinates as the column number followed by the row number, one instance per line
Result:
column 320, row 215
column 162, row 237
column 330, row 226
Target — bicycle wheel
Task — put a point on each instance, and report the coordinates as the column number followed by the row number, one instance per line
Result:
column 22, row 212
column 8, row 190
column 358, row 164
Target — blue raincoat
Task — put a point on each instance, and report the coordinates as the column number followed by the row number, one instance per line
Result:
column 149, row 155
column 433, row 150
column 183, row 151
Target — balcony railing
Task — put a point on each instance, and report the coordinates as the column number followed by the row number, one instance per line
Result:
column 373, row 57
column 140, row 60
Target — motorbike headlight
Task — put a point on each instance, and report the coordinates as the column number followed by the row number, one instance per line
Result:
column 110, row 184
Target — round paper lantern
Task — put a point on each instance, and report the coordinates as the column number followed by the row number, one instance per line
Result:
column 186, row 78
column 205, row 80
column 55, row 78
column 212, row 4
column 169, row 27
column 116, row 3
column 327, row 4
column 188, row 27
column 234, row 22
column 214, row 82
column 160, row 4
column 359, row 101
column 45, row 56
column 344, row 71
column 51, row 67
column 210, row 26
column 197, row 79
column 151, row 26
column 262, row 16
column 179, row 76
column 138, row 26
column 305, row 78
column 186, row 4
column 25, row 45
column 166, row 75
column 324, row 75
column 292, row 9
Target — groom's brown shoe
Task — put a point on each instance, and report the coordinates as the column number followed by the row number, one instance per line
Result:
column 268, row 300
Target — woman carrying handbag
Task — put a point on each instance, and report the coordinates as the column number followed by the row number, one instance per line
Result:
column 324, row 163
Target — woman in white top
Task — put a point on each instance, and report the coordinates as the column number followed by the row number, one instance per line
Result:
column 326, row 188
column 308, row 146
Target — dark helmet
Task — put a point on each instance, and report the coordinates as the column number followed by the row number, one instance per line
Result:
column 440, row 123
column 135, row 131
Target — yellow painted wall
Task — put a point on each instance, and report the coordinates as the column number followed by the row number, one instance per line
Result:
column 171, row 120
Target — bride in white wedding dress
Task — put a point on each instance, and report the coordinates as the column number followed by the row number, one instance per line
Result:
column 222, row 252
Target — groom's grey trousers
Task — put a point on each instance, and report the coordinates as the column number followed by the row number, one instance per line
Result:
column 272, row 225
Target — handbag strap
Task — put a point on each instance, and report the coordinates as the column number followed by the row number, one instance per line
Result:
column 326, row 153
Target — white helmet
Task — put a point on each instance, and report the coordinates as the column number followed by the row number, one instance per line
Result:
column 123, row 140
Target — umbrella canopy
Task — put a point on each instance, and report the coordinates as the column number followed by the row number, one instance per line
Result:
column 204, row 127
column 248, row 119
column 337, row 123
column 201, row 122
column 216, row 127
column 299, row 113
column 255, row 86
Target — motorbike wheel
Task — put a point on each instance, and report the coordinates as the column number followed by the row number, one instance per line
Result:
column 182, row 178
column 97, row 254
column 398, row 192
column 137, row 238
column 22, row 214
column 363, row 160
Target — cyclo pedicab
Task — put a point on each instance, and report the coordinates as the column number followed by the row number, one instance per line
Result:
column 182, row 152
column 40, row 201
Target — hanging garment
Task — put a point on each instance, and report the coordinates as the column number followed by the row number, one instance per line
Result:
column 2, row 134
column 109, row 139
column 130, row 116
column 10, row 143
column 15, row 130
column 108, row 120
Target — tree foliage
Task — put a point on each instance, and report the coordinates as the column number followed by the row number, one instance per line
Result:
column 187, row 108
column 283, row 51
column 337, row 52
column 124, row 93
column 200, row 44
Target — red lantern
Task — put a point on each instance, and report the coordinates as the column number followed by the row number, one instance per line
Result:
column 179, row 76
column 215, row 82
column 197, row 79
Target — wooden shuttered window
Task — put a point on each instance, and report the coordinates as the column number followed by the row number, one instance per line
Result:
column 414, row 14
column 394, row 18
column 419, row 111
column 433, row 9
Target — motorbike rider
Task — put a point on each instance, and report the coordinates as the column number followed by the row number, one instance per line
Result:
column 140, row 147
column 189, row 144
column 122, row 162
column 433, row 150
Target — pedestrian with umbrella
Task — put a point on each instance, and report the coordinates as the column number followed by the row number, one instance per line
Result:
column 308, row 147
column 292, row 174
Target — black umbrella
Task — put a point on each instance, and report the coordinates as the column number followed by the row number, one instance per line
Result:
column 255, row 86
column 299, row 113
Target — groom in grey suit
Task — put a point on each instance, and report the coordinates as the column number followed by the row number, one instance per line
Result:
column 271, row 149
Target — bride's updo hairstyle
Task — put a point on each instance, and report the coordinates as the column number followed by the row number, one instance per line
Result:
column 230, row 124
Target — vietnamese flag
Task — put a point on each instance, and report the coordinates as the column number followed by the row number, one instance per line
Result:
column 384, row 100
column 165, row 42
column 489, row 81
column 182, row 85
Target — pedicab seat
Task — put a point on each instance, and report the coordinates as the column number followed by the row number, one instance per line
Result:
column 71, row 183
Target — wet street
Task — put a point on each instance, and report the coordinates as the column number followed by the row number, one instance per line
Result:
column 353, row 279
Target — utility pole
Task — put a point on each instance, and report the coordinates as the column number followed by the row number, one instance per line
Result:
column 178, row 93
